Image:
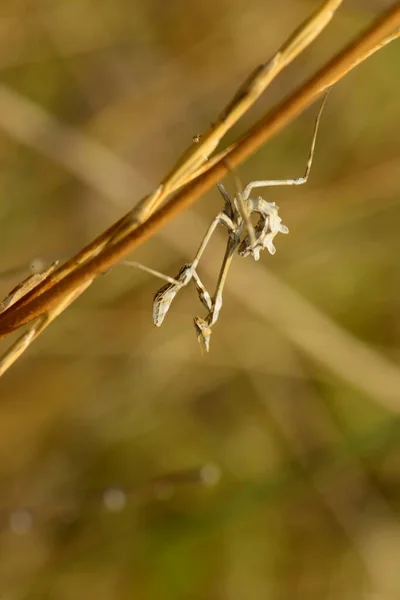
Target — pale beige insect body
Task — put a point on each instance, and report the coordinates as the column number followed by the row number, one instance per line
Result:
column 267, row 227
column 269, row 224
column 243, row 239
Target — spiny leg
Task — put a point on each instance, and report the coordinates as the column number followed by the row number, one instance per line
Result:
column 203, row 294
column 298, row 180
column 241, row 205
column 221, row 219
column 167, row 293
column 164, row 296
column 268, row 225
column 203, row 326
column 230, row 219
column 217, row 299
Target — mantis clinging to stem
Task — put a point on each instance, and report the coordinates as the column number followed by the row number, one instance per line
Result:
column 196, row 157
column 243, row 239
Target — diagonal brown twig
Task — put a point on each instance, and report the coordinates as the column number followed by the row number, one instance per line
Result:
column 204, row 145
column 39, row 325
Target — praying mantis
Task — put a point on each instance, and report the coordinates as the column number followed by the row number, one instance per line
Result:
column 244, row 239
column 40, row 298
column 33, row 302
column 198, row 157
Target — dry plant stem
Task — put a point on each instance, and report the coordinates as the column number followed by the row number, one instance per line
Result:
column 26, row 286
column 68, row 278
column 245, row 97
column 22, row 343
column 322, row 80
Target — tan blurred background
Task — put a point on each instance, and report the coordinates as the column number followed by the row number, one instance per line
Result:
column 132, row 466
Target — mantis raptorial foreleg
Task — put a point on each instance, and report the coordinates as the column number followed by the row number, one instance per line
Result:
column 236, row 217
column 203, row 326
column 164, row 296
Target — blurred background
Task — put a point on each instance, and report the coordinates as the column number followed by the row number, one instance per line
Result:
column 131, row 465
